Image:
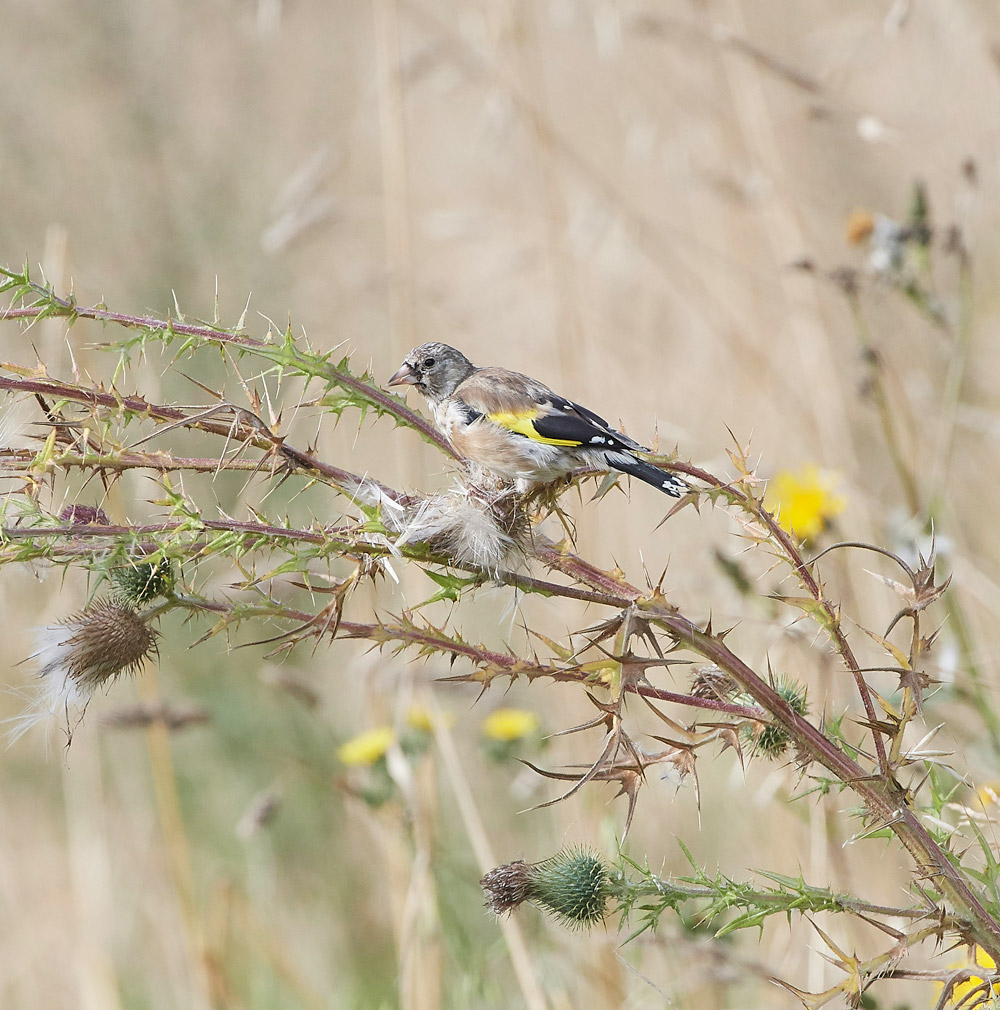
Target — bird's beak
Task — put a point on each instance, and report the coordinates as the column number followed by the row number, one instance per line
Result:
column 406, row 376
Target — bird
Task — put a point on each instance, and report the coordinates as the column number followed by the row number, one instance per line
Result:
column 516, row 427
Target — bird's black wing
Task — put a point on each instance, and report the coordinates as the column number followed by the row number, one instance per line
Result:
column 567, row 423
column 567, row 420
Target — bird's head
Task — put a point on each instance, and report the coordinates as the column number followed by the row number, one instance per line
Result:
column 435, row 369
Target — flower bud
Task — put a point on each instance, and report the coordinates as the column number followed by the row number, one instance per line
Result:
column 142, row 582
column 771, row 739
column 573, row 886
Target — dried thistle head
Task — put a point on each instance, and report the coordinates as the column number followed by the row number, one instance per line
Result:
column 712, row 682
column 95, row 646
column 505, row 887
column 83, row 652
column 83, row 515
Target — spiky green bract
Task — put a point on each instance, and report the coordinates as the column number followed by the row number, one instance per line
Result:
column 771, row 741
column 140, row 583
column 573, row 886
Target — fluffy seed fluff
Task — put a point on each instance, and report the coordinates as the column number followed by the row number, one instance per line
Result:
column 480, row 523
column 81, row 653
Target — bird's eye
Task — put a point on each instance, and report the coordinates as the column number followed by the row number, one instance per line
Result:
column 428, row 362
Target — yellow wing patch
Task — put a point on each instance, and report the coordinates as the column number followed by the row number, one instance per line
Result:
column 522, row 423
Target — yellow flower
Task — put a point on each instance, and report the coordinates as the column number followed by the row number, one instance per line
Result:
column 981, row 960
column 989, row 794
column 804, row 502
column 418, row 717
column 366, row 748
column 510, row 724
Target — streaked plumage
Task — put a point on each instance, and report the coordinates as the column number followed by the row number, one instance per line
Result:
column 517, row 427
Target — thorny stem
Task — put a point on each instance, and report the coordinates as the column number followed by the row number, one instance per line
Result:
column 257, row 435
column 655, row 886
column 405, row 635
column 402, row 634
column 709, row 704
column 322, row 537
column 19, row 460
column 63, row 307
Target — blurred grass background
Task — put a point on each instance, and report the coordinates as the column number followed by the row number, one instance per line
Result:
column 606, row 195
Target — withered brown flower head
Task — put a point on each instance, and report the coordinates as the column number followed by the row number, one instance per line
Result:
column 711, row 682
column 83, row 515
column 81, row 653
column 507, row 886
column 97, row 644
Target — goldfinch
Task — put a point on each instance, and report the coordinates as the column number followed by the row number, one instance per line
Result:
column 518, row 428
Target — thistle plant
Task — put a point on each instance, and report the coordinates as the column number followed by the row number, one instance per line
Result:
column 85, row 652
column 304, row 579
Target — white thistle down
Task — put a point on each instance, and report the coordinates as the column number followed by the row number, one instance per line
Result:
column 81, row 653
column 473, row 526
column 480, row 524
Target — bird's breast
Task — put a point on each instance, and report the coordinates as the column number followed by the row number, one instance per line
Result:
column 509, row 454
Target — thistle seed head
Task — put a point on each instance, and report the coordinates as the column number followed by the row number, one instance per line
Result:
column 83, row 652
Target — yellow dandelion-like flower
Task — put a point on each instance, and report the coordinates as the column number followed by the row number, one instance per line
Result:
column 989, row 794
column 804, row 502
column 366, row 748
column 507, row 724
column 981, row 960
column 419, row 717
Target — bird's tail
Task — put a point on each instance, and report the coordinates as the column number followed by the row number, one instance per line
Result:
column 660, row 479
